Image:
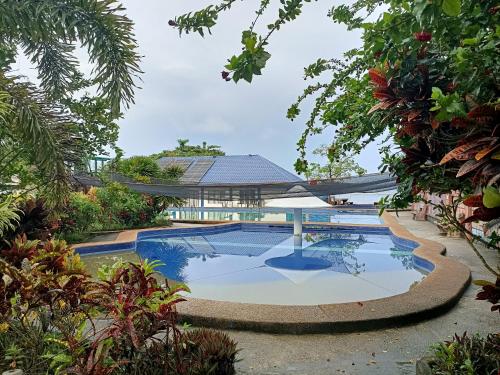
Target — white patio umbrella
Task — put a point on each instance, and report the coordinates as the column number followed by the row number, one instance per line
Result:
column 310, row 201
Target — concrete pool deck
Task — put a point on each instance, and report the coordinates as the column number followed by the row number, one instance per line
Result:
column 385, row 351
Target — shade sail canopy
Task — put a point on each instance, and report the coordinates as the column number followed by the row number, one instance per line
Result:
column 298, row 202
column 369, row 183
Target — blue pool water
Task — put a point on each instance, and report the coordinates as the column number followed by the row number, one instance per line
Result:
column 258, row 263
column 313, row 215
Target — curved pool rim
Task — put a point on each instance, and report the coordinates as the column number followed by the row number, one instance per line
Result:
column 440, row 290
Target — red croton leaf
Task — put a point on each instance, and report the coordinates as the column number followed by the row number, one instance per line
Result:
column 383, row 93
column 435, row 124
column 474, row 200
column 383, row 105
column 459, row 122
column 412, row 115
column 457, row 151
column 412, row 129
column 377, row 77
column 483, row 214
column 482, row 111
column 486, row 151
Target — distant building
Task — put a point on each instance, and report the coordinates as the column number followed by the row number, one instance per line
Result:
column 229, row 169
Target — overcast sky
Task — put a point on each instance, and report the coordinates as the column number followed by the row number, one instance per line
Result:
column 183, row 95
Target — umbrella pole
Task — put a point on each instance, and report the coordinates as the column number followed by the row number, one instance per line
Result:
column 297, row 222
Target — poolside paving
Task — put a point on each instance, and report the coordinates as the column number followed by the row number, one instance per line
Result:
column 387, row 351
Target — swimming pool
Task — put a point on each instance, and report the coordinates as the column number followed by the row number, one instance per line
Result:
column 313, row 215
column 267, row 264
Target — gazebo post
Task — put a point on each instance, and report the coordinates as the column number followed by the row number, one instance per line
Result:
column 202, row 204
column 297, row 222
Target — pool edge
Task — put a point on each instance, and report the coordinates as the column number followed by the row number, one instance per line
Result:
column 439, row 291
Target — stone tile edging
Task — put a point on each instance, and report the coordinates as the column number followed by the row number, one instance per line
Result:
column 435, row 294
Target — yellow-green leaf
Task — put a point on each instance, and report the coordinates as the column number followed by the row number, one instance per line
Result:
column 452, row 7
column 491, row 197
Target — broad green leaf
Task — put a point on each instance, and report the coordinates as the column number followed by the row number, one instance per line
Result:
column 491, row 197
column 470, row 41
column 452, row 7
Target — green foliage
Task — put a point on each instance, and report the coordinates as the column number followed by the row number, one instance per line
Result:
column 83, row 214
column 491, row 197
column 184, row 149
column 140, row 168
column 208, row 351
column 95, row 123
column 47, row 32
column 344, row 166
column 448, row 106
column 48, row 311
column 123, row 207
column 254, row 56
column 44, row 130
column 34, row 221
column 162, row 220
column 467, row 355
column 35, row 132
column 251, row 61
column 9, row 215
column 112, row 207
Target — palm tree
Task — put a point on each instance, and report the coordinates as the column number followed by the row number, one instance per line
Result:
column 37, row 132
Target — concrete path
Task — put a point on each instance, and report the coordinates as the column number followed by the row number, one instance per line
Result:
column 390, row 351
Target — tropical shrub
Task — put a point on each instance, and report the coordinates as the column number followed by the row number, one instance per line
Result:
column 208, row 351
column 185, row 149
column 83, row 213
column 202, row 351
column 140, row 168
column 464, row 355
column 122, row 207
column 33, row 221
column 162, row 220
column 48, row 311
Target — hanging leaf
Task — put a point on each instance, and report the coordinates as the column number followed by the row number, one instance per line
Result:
column 412, row 129
column 486, row 151
column 434, row 124
column 483, row 214
column 452, row 7
column 474, row 201
column 412, row 115
column 486, row 214
column 470, row 219
column 469, row 166
column 491, row 197
column 383, row 94
column 453, row 154
column 494, row 179
column 467, row 155
column 377, row 77
column 382, row 105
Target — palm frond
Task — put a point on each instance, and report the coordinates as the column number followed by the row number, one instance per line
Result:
column 9, row 215
column 48, row 29
column 44, row 131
